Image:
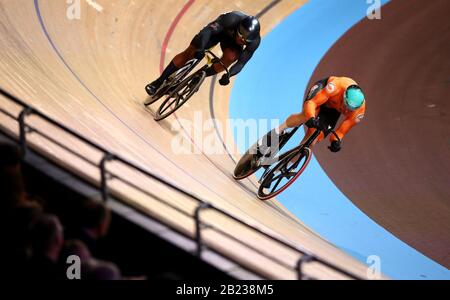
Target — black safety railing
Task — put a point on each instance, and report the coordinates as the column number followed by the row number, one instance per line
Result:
column 305, row 256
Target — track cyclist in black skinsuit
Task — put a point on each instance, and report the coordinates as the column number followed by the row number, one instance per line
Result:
column 239, row 37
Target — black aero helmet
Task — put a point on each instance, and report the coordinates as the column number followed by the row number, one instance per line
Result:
column 249, row 29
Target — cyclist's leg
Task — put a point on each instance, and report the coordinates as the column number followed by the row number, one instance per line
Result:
column 231, row 53
column 308, row 134
column 181, row 59
column 178, row 61
column 293, row 121
column 296, row 120
column 328, row 117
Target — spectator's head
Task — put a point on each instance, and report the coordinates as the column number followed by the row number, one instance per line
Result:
column 100, row 270
column 47, row 237
column 76, row 247
column 20, row 220
column 96, row 218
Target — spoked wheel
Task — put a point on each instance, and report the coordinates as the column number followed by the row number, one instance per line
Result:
column 257, row 156
column 182, row 93
column 284, row 173
column 171, row 83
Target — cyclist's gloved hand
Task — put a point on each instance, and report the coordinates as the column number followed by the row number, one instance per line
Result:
column 199, row 54
column 312, row 123
column 225, row 80
column 335, row 146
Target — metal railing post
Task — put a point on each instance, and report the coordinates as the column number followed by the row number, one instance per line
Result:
column 304, row 259
column 103, row 180
column 198, row 229
column 22, row 132
column 203, row 204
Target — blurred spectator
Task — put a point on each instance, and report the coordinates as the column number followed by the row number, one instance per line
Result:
column 33, row 241
column 47, row 239
column 18, row 229
column 12, row 187
column 94, row 224
column 91, row 268
column 100, row 270
column 168, row 275
column 11, row 181
column 75, row 247
column 17, row 211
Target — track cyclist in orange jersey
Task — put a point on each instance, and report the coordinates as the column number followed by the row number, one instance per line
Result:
column 326, row 101
column 239, row 37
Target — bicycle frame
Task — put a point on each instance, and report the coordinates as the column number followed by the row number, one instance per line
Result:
column 211, row 61
column 283, row 161
column 181, row 87
column 216, row 59
column 310, row 140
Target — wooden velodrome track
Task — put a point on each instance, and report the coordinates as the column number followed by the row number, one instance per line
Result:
column 89, row 74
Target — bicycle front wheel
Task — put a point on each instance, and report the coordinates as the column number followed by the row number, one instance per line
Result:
column 180, row 95
column 284, row 173
column 171, row 82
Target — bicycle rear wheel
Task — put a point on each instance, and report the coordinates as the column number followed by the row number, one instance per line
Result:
column 180, row 95
column 284, row 173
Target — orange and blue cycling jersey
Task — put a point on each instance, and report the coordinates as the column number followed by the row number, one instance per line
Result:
column 330, row 94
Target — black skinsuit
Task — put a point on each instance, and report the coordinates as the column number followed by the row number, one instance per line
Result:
column 223, row 30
